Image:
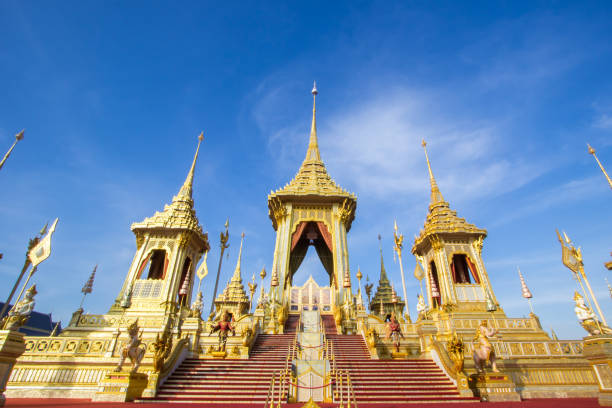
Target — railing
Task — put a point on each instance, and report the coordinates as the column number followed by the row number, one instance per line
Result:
column 345, row 392
column 278, row 384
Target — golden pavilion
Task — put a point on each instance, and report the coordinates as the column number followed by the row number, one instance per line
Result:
column 311, row 343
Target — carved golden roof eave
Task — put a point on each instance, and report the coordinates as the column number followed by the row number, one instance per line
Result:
column 276, row 205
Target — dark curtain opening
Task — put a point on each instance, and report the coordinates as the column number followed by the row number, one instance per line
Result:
column 307, row 233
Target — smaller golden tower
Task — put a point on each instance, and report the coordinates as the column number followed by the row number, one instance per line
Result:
column 449, row 249
column 169, row 245
column 385, row 300
column 234, row 298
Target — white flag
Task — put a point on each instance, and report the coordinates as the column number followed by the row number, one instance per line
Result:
column 203, row 269
column 42, row 250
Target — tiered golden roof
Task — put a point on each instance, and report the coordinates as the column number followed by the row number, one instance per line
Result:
column 312, row 179
column 180, row 214
column 385, row 292
column 441, row 219
column 234, row 297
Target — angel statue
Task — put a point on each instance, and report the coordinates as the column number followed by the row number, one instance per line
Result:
column 421, row 308
column 588, row 320
column 132, row 349
column 20, row 313
column 484, row 352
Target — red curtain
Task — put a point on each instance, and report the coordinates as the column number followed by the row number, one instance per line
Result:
column 473, row 270
column 165, row 266
column 453, row 272
column 297, row 234
column 142, row 266
column 326, row 235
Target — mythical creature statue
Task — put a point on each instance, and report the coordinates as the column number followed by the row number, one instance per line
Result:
column 196, row 306
column 421, row 308
column 161, row 350
column 394, row 331
column 132, row 349
column 223, row 326
column 372, row 338
column 484, row 353
column 588, row 320
column 455, row 348
column 20, row 313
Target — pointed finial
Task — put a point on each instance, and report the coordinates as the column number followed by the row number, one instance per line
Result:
column 436, row 195
column 566, row 238
column 226, row 223
column 274, row 278
column 313, row 144
column 237, row 272
column 383, row 272
column 186, row 190
column 359, row 274
column 524, row 289
column 591, row 150
column 263, row 273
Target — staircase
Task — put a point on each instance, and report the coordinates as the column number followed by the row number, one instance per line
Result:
column 389, row 381
column 229, row 381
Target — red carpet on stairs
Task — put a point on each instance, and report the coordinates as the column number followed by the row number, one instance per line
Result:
column 389, row 381
column 231, row 381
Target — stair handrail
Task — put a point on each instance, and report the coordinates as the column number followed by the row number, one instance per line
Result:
column 270, row 395
column 345, row 390
column 351, row 390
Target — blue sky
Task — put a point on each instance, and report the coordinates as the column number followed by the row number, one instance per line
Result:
column 113, row 95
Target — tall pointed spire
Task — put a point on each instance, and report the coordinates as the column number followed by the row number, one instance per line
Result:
column 312, row 179
column 436, row 195
column 313, row 145
column 237, row 272
column 179, row 214
column 383, row 272
column 186, row 190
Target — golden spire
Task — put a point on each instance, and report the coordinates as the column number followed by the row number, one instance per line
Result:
column 592, row 151
column 187, row 188
column 179, row 214
column 383, row 272
column 436, row 195
column 313, row 145
column 237, row 273
column 274, row 278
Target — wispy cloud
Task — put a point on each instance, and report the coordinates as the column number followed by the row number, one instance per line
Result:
column 374, row 145
column 604, row 121
column 540, row 201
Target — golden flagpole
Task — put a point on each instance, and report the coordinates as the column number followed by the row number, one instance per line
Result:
column 592, row 151
column 398, row 240
column 18, row 137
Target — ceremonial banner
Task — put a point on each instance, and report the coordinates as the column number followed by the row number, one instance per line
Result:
column 203, row 269
column 42, row 250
